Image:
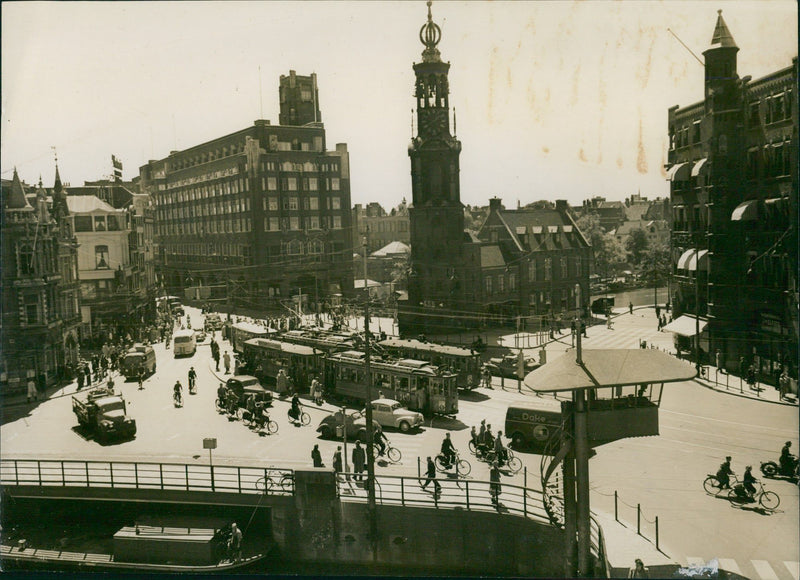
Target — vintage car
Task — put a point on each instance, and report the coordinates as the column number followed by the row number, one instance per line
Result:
column 356, row 426
column 391, row 413
column 212, row 322
column 246, row 385
column 506, row 366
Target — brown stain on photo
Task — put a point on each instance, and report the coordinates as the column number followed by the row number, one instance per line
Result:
column 641, row 158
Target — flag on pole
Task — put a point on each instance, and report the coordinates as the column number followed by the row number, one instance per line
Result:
column 117, row 168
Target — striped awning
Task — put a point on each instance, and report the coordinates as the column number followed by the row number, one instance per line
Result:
column 690, row 259
column 679, row 172
column 686, row 325
column 746, row 211
column 698, row 167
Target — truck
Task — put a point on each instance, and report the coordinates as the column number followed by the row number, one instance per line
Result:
column 104, row 413
column 139, row 360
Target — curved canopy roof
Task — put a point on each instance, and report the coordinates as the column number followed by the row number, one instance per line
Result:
column 609, row 368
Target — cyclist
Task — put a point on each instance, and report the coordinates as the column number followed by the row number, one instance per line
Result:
column 473, row 434
column 748, row 481
column 177, row 392
column 294, row 412
column 192, row 379
column 251, row 406
column 261, row 414
column 724, row 474
column 448, row 450
column 380, row 440
column 500, row 453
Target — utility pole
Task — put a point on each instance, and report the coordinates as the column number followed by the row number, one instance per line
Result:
column 373, row 515
column 581, row 471
column 697, row 308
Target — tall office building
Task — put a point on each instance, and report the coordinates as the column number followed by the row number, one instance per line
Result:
column 260, row 216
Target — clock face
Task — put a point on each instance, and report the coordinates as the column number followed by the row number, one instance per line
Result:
column 433, row 122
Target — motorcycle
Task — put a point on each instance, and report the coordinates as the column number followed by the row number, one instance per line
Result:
column 775, row 469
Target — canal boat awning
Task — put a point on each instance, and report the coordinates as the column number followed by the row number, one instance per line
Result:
column 686, row 325
column 608, row 368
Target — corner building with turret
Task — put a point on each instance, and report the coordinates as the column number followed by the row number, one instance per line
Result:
column 732, row 166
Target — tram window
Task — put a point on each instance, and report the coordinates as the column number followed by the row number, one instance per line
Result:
column 422, row 382
column 402, row 383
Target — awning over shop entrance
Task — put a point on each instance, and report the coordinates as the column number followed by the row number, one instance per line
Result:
column 698, row 167
column 746, row 211
column 679, row 172
column 693, row 260
column 686, row 325
column 684, row 259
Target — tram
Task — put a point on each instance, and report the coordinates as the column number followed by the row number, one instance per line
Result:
column 417, row 384
column 263, row 358
column 326, row 341
column 241, row 332
column 465, row 363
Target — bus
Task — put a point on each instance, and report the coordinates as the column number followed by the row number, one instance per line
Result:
column 241, row 332
column 417, row 384
column 464, row 362
column 263, row 358
column 184, row 342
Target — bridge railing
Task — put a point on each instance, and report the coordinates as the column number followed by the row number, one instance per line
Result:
column 465, row 494
column 143, row 475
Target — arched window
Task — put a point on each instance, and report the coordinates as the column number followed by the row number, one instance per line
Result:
column 26, row 261
column 101, row 258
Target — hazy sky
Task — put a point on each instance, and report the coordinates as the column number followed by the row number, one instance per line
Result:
column 553, row 99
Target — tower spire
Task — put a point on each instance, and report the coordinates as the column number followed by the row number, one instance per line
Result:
column 722, row 37
column 430, row 34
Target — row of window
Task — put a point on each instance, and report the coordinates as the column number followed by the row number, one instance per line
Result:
column 212, row 248
column 773, row 160
column 293, row 202
column 100, row 223
column 542, row 268
column 37, row 261
column 229, row 225
column 274, row 224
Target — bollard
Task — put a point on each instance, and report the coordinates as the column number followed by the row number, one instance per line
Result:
column 657, row 548
column 639, row 519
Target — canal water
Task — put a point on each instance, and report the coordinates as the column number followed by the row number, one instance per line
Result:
column 639, row 297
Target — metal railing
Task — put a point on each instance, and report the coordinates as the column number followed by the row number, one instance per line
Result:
column 464, row 494
column 141, row 475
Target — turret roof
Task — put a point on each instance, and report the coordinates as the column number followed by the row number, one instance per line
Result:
column 16, row 196
column 722, row 36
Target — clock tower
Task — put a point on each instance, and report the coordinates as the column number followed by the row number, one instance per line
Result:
column 436, row 214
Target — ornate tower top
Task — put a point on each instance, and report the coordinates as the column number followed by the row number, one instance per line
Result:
column 722, row 37
column 430, row 34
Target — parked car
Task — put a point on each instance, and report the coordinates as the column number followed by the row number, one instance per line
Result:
column 355, row 424
column 246, row 385
column 391, row 413
column 506, row 366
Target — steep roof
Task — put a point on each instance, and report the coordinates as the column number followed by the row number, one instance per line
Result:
column 491, row 256
column 15, row 197
column 392, row 249
column 722, row 36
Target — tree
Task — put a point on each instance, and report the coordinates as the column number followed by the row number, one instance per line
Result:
column 655, row 264
column 608, row 252
column 636, row 245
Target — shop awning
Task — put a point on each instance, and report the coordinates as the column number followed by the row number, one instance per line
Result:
column 686, row 325
column 698, row 167
column 746, row 211
column 684, row 259
column 679, row 172
column 698, row 261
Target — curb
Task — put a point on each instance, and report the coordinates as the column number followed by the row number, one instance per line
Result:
column 705, row 383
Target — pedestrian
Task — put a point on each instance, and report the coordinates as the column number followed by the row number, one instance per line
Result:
column 751, row 377
column 281, row 382
column 658, row 311
column 630, row 307
column 608, row 321
column 337, row 461
column 235, row 543
column 140, row 378
column 487, row 377
column 494, row 485
column 32, row 392
column 81, row 377
column 110, row 385
column 431, row 477
column 316, row 456
column 638, row 570
column 783, row 383
column 359, row 460
column 227, row 358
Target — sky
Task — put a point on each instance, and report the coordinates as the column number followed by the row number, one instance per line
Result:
column 554, row 100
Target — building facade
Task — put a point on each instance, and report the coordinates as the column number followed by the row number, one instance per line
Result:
column 535, row 263
column 40, row 294
column 380, row 228
column 732, row 165
column 259, row 215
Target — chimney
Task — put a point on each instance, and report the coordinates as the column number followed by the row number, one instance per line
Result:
column 495, row 204
column 561, row 205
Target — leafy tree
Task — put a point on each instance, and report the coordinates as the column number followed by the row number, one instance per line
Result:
column 636, row 245
column 654, row 267
column 608, row 252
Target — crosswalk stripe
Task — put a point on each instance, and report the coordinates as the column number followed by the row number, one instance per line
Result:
column 730, row 565
column 764, row 570
column 794, row 569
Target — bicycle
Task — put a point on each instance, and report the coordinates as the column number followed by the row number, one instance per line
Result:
column 462, row 466
column 177, row 399
column 303, row 418
column 272, row 482
column 393, row 454
column 261, row 424
column 711, row 484
column 512, row 462
column 769, row 500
